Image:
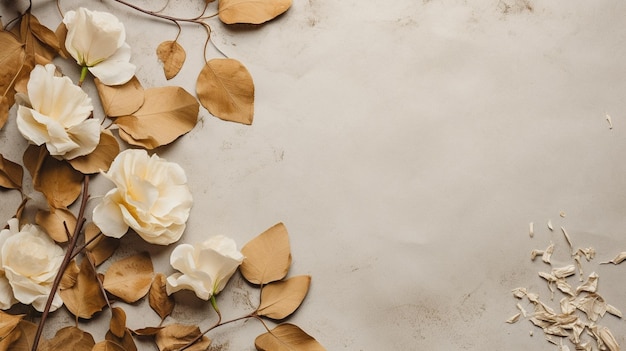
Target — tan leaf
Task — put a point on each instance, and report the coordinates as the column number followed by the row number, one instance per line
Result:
column 287, row 337
column 107, row 345
column 5, row 105
column 118, row 322
column 57, row 180
column 226, row 89
column 148, row 331
column 251, row 11
column 8, row 322
column 267, row 257
column 70, row 276
column 11, row 174
column 280, row 299
column 85, row 298
column 160, row 301
column 36, row 48
column 61, row 33
column 174, row 336
column 101, row 247
column 101, row 158
column 125, row 341
column 130, row 278
column 21, row 338
column 55, row 222
column 173, row 56
column 69, row 338
column 121, row 100
column 167, row 113
column 12, row 61
column 43, row 34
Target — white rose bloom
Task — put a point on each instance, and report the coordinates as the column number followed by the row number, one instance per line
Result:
column 204, row 268
column 30, row 262
column 56, row 113
column 97, row 40
column 152, row 198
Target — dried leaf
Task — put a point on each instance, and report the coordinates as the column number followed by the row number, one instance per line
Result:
column 69, row 338
column 160, row 301
column 251, row 11
column 102, row 247
column 21, row 338
column 8, row 322
column 11, row 174
column 148, row 331
column 173, row 56
column 37, row 50
column 267, row 257
column 167, row 113
column 61, row 33
column 226, row 89
column 55, row 222
column 280, row 299
column 118, row 322
column 130, row 278
column 12, row 61
column 99, row 159
column 4, row 110
column 287, row 337
column 125, row 341
column 621, row 257
column 107, row 345
column 84, row 298
column 121, row 100
column 174, row 336
column 43, row 34
column 70, row 276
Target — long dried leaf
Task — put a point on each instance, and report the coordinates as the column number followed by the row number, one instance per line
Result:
column 173, row 57
column 280, row 299
column 251, row 11
column 55, row 223
column 130, row 278
column 174, row 336
column 101, row 158
column 121, row 100
column 160, row 301
column 118, row 322
column 69, row 338
column 84, row 298
column 287, row 337
column 100, row 246
column 11, row 174
column 226, row 89
column 267, row 257
column 43, row 34
column 167, row 113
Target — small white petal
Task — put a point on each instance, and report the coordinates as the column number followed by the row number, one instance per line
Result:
column 107, row 216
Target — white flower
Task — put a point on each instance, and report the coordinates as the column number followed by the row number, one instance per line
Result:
column 152, row 198
column 205, row 268
column 97, row 40
column 56, row 113
column 30, row 262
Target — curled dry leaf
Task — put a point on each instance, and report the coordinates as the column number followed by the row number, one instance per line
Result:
column 11, row 174
column 226, row 89
column 167, row 113
column 129, row 278
column 70, row 276
column 173, row 56
column 287, row 337
column 118, row 322
column 280, row 299
column 267, row 257
column 100, row 246
column 251, row 11
column 40, row 42
column 58, row 223
column 12, row 61
column 99, row 159
column 107, row 345
column 160, row 301
column 69, row 338
column 174, row 336
column 84, row 298
column 121, row 100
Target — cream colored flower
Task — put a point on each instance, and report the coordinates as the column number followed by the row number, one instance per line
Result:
column 151, row 197
column 97, row 40
column 56, row 113
column 204, row 268
column 30, row 262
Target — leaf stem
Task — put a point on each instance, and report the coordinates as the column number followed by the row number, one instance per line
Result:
column 66, row 261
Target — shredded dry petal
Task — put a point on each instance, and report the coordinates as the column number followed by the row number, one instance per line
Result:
column 618, row 259
column 514, row 319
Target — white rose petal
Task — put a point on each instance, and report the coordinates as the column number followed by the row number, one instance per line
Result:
column 57, row 114
column 151, row 197
column 204, row 268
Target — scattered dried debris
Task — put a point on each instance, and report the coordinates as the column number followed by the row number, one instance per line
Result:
column 609, row 120
column 621, row 257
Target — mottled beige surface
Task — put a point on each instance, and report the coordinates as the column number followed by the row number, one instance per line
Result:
column 407, row 145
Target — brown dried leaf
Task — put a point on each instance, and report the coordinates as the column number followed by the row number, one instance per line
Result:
column 54, row 223
column 118, row 322
column 4, row 110
column 125, row 341
column 251, row 11
column 173, row 56
column 174, row 336
column 107, row 345
column 226, row 89
column 267, row 257
column 12, row 61
column 167, row 113
column 61, row 34
column 148, row 331
column 130, row 278
column 287, row 337
column 11, row 174
column 121, row 100
column 70, row 276
column 85, row 298
column 280, row 299
column 43, row 34
column 21, row 338
column 101, row 158
column 101, row 247
column 69, row 338
column 8, row 322
column 38, row 49
column 160, row 301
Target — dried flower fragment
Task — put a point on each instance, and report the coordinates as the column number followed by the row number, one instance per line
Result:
column 547, row 255
column 550, row 225
column 531, row 229
column 591, row 285
column 514, row 319
column 567, row 238
column 621, row 257
column 609, row 120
